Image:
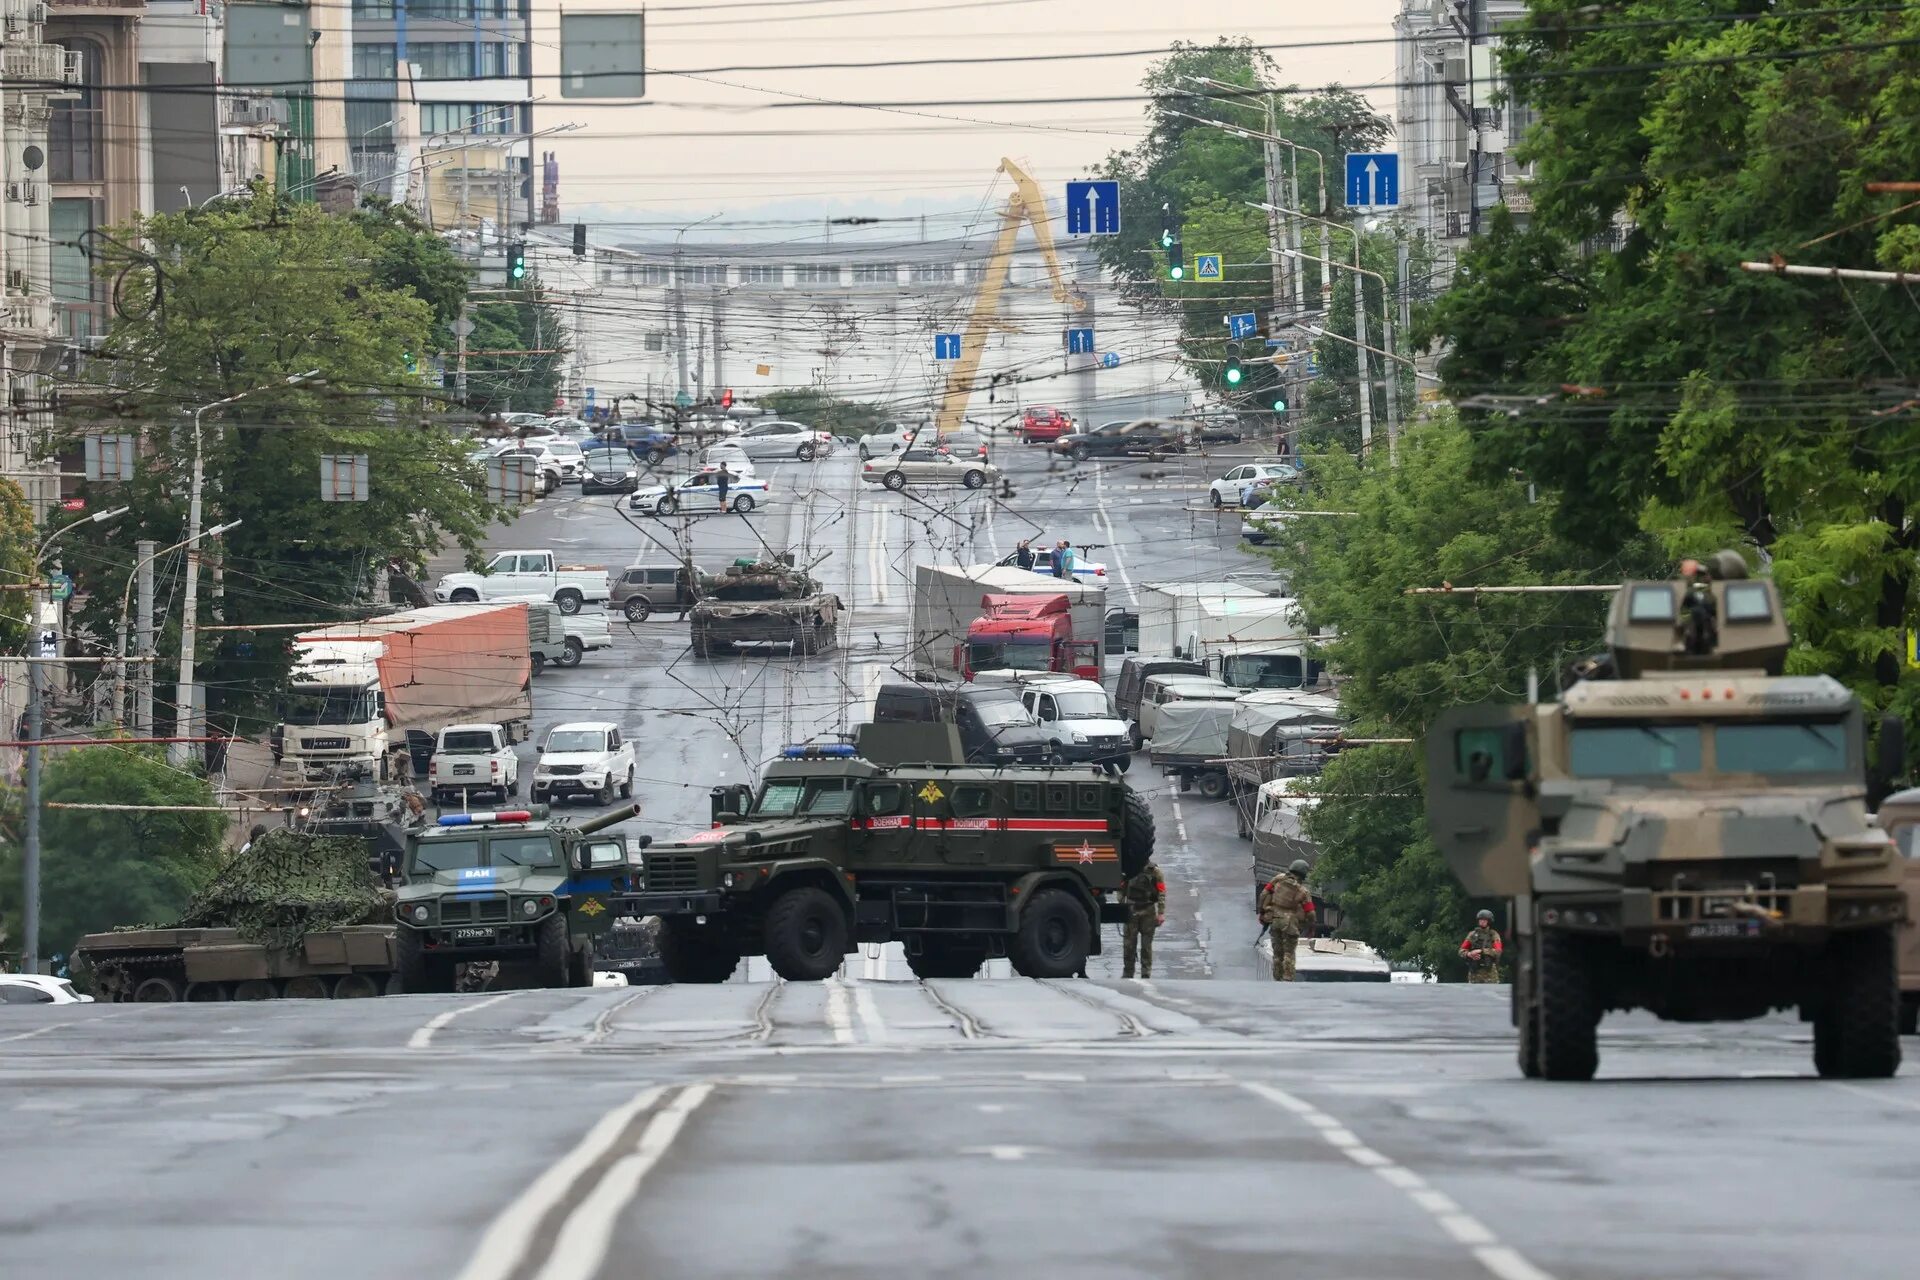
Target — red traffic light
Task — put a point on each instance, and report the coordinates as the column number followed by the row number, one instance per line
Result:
column 726, row 398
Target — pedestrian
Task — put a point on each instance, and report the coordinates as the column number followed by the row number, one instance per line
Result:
column 1145, row 895
column 259, row 829
column 1285, row 904
column 1481, row 949
column 1063, row 560
column 400, row 764
column 721, row 479
column 1023, row 555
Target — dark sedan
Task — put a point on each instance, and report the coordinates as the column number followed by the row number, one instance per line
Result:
column 609, row 471
column 1145, row 438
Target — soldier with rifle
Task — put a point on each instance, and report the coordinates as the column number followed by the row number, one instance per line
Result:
column 1285, row 904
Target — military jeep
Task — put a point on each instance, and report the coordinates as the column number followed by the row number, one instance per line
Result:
column 510, row 886
column 957, row 863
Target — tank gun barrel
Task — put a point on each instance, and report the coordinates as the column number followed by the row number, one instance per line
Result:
column 609, row 818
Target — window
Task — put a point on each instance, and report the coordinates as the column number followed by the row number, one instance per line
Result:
column 933, row 273
column 73, row 135
column 22, row 994
column 1748, row 602
column 1631, row 751
column 76, row 293
column 972, row 801
column 589, row 740
column 442, row 59
column 655, row 274
column 1651, row 604
column 663, row 577
column 498, row 59
column 976, row 272
column 634, row 577
column 468, row 117
column 811, row 273
column 380, row 9
column 1780, row 748
column 886, row 798
column 702, row 275
column 761, row 275
column 430, row 856
column 523, row 851
column 373, row 62
column 876, row 273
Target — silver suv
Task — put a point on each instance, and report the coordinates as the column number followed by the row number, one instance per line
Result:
column 640, row 589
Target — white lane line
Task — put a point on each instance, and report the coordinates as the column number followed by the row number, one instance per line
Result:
column 1500, row 1261
column 504, row 1245
column 869, row 1016
column 423, row 1038
column 1113, row 539
column 837, row 1016
column 1879, row 1095
column 580, row 1248
column 39, row 1031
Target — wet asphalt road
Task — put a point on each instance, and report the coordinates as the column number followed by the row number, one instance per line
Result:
column 1206, row 1124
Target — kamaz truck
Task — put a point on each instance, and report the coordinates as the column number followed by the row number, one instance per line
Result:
column 955, row 862
column 509, row 886
column 1686, row 831
column 1016, row 633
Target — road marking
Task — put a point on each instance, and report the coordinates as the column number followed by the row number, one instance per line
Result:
column 1878, row 1096
column 837, row 1016
column 39, row 1031
column 869, row 1016
column 1113, row 539
column 1501, row 1261
column 1053, row 1077
column 580, row 1246
column 603, row 1025
column 505, row 1243
column 1002, row 1152
column 423, row 1038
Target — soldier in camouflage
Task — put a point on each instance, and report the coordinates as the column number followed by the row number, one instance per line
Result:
column 1285, row 904
column 1146, row 898
column 1481, row 950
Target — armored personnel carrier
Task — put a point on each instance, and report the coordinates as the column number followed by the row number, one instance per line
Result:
column 763, row 602
column 507, row 886
column 1685, row 831
column 956, row 862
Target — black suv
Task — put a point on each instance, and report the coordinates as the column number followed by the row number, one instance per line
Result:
column 1147, row 437
column 995, row 726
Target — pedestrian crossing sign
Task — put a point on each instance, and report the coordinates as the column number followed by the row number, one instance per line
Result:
column 1207, row 266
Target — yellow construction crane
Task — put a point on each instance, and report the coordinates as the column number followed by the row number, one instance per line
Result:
column 1023, row 205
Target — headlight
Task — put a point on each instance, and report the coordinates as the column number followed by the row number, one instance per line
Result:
column 1079, row 738
column 726, row 881
column 421, row 913
column 530, row 908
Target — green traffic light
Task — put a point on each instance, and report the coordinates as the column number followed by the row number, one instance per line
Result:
column 1176, row 271
column 1166, row 239
column 1234, row 373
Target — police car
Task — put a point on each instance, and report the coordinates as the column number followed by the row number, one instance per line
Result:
column 701, row 492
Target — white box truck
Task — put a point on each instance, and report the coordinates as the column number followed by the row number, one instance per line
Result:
column 1248, row 636
column 947, row 602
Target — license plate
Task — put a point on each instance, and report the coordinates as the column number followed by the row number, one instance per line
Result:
column 1724, row 929
column 467, row 935
column 460, row 770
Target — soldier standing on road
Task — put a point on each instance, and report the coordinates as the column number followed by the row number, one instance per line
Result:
column 1023, row 555
column 1481, row 950
column 1285, row 904
column 1146, row 897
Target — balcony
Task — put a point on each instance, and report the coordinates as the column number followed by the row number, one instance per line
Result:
column 255, row 111
column 41, row 66
column 104, row 8
column 32, row 314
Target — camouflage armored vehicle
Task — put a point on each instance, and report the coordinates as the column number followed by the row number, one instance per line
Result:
column 1899, row 817
column 509, row 886
column 763, row 602
column 1685, row 831
column 956, row 862
column 291, row 914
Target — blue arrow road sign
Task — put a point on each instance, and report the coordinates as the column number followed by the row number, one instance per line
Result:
column 1079, row 342
column 1313, row 364
column 1373, row 179
column 1111, row 360
column 589, row 397
column 946, row 346
column 1242, row 324
column 1093, row 208
column 1206, row 266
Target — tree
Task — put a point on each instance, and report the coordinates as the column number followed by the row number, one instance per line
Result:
column 237, row 299
column 829, row 412
column 515, row 383
column 101, row 869
column 16, row 562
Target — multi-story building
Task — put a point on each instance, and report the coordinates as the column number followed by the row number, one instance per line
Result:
column 856, row 320
column 1456, row 138
column 301, row 54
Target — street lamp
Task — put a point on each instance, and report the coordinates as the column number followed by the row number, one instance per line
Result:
column 38, row 651
column 183, row 707
column 144, row 723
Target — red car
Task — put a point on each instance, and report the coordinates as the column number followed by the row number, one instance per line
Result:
column 1044, row 422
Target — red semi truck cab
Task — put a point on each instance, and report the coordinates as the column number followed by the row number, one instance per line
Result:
column 1026, row 633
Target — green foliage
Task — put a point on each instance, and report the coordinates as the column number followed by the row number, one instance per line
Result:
column 101, row 869
column 16, row 561
column 830, row 413
column 515, row 384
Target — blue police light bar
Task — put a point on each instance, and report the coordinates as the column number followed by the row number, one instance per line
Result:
column 835, row 751
column 481, row 819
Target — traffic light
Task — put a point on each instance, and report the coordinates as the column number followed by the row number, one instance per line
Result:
column 1176, row 263
column 1167, row 236
column 579, row 239
column 413, row 365
column 1234, row 371
column 516, row 262
column 726, row 398
column 1275, row 398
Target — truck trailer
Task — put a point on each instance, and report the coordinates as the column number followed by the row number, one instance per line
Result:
column 358, row 688
column 947, row 602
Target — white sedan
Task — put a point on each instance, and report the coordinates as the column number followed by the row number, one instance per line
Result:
column 898, row 436
column 38, row 988
column 1254, row 476
column 784, row 440
column 701, row 492
column 1083, row 569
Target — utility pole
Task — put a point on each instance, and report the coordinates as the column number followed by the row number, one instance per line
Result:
column 1387, row 371
column 461, row 328
column 143, row 641
column 1276, row 234
column 30, row 847
column 1360, row 339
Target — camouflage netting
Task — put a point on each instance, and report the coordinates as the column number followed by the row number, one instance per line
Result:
column 289, row 884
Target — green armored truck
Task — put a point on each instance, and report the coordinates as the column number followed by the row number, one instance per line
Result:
column 506, row 885
column 956, row 862
column 1685, row 831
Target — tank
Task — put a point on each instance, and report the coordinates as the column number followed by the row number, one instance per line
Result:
column 1686, row 830
column 291, row 914
column 763, row 602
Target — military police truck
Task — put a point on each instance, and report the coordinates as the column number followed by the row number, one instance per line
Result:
column 956, row 862
column 1685, row 831
column 506, row 885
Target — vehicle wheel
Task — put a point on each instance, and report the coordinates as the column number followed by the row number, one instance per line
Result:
column 806, row 452
column 974, row 479
column 355, row 986
column 656, row 456
column 1526, row 1009
column 667, row 505
column 465, row 596
column 569, row 601
column 942, row 958
column 552, row 956
column 626, row 789
column 637, row 609
column 1133, row 732
column 417, row 971
column 308, row 986
column 1215, row 495
column 1213, row 786
column 604, row 796
column 513, row 788
column 1862, row 1013
column 254, row 989
column 580, row 965
column 1136, row 833
column 207, row 992
column 1053, row 937
column 1569, row 1009
column 1123, row 763
column 1079, row 453
column 156, row 991
column 539, row 663
column 699, row 646
column 866, row 455
column 806, row 935
column 538, row 796
column 691, row 953
column 895, row 480
column 571, row 652
column 743, row 504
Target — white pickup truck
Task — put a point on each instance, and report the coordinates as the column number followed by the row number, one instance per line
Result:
column 587, row 759
column 527, row 575
column 472, row 757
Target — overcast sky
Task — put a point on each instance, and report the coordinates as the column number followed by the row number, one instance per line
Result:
column 729, row 142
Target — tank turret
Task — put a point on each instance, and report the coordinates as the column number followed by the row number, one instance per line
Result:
column 759, row 579
column 1709, row 617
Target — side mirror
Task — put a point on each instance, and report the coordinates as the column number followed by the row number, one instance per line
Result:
column 1891, row 763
